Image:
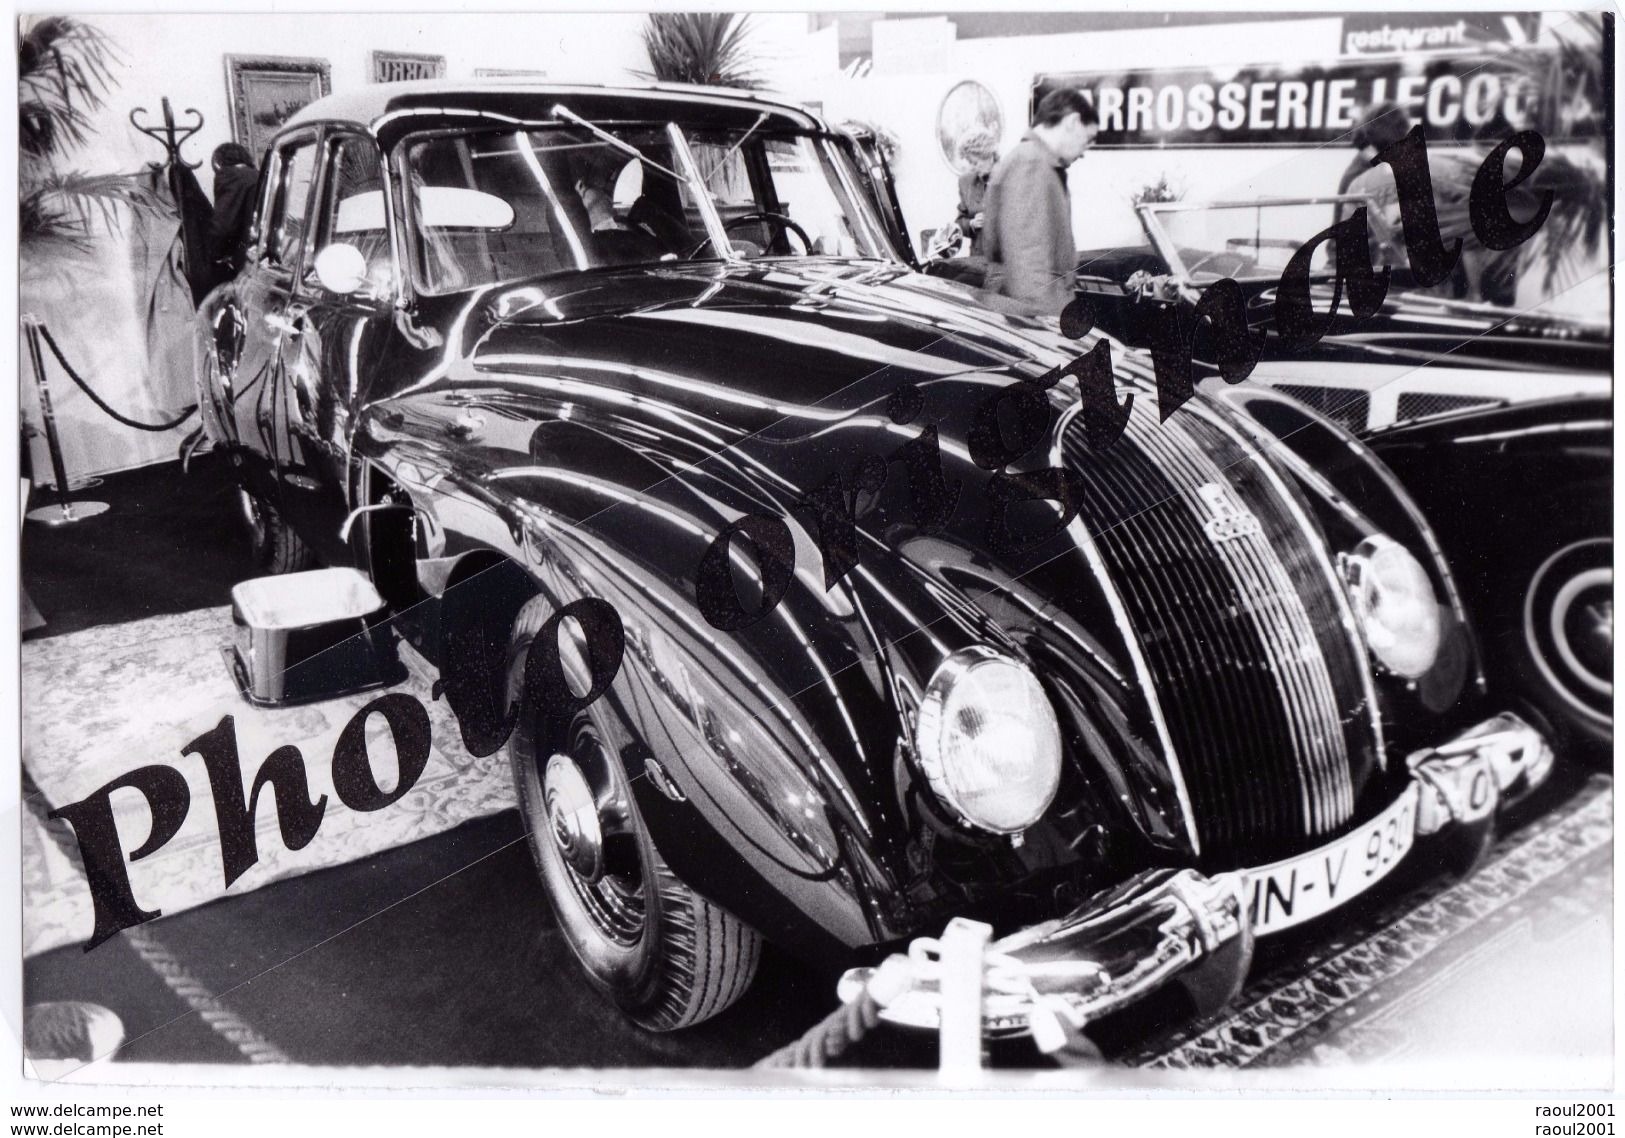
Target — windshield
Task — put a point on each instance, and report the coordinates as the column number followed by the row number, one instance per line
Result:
column 781, row 194
column 491, row 207
column 1203, row 243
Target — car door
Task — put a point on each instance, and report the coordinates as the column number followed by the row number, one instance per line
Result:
column 334, row 342
column 267, row 292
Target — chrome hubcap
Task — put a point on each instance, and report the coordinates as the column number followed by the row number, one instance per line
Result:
column 1569, row 625
column 585, row 833
column 572, row 817
column 251, row 510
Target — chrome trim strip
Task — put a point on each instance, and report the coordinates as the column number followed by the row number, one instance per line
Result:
column 703, row 199
column 1323, row 558
column 1283, row 625
column 1108, row 587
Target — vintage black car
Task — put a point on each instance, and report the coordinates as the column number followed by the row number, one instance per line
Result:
column 509, row 349
column 1521, row 499
column 1421, row 354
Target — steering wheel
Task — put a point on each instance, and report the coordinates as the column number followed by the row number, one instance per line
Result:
column 783, row 221
column 1210, row 257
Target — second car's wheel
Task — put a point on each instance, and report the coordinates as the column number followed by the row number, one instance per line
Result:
column 275, row 547
column 666, row 956
column 1565, row 646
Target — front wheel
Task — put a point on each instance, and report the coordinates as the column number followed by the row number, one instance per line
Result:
column 1564, row 653
column 273, row 544
column 666, row 956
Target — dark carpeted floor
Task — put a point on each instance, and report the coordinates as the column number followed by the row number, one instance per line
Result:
column 170, row 543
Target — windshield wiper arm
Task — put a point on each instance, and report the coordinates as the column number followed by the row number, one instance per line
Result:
column 735, row 147
column 560, row 111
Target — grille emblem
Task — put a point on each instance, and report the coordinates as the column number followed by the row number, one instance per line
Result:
column 1228, row 519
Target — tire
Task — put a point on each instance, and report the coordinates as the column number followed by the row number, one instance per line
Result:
column 273, row 545
column 1561, row 655
column 667, row 957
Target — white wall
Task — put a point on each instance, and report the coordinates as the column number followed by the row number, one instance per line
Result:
column 917, row 60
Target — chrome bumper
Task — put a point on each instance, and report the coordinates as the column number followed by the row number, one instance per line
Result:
column 1478, row 772
column 1182, row 927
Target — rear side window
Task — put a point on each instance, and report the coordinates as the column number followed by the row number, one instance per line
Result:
column 290, row 204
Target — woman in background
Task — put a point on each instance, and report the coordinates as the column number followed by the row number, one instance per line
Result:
column 978, row 153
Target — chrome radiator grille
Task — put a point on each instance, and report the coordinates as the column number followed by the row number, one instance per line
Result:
column 1261, row 687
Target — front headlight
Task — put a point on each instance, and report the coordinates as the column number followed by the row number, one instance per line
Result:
column 1394, row 602
column 988, row 741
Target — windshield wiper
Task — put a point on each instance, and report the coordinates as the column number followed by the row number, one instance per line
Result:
column 560, row 111
column 732, row 150
column 704, row 199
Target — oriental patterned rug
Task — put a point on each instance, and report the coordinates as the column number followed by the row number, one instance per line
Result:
column 100, row 703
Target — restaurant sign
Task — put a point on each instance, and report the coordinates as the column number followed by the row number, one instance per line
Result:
column 1456, row 97
column 1383, row 33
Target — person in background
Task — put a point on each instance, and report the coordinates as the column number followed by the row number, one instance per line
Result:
column 1481, row 275
column 978, row 153
column 235, row 180
column 1027, row 236
column 1382, row 125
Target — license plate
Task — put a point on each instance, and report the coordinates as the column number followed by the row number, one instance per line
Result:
column 1301, row 888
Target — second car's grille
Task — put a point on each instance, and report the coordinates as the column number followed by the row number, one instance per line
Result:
column 1252, row 665
column 1340, row 404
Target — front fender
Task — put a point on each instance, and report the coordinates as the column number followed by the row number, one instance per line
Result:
column 772, row 745
column 1352, row 495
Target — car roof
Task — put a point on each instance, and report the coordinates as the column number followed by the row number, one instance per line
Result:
column 392, row 109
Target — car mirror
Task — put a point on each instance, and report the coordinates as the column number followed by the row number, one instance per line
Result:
column 341, row 268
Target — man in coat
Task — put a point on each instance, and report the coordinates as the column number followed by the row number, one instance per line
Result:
column 235, row 180
column 1032, row 257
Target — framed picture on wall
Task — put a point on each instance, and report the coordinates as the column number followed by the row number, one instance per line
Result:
column 265, row 90
column 396, row 66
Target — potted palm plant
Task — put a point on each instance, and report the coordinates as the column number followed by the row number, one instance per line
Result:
column 700, row 47
column 64, row 74
column 1571, row 86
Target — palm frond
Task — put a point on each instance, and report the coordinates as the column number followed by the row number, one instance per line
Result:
column 64, row 73
column 64, row 76
column 1579, row 215
column 699, row 47
column 1573, row 96
column 62, row 210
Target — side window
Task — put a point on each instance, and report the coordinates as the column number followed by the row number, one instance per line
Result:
column 353, row 204
column 290, row 205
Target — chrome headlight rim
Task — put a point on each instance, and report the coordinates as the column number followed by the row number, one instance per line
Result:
column 928, row 729
column 1357, row 574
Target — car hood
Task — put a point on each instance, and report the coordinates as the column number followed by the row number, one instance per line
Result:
column 829, row 322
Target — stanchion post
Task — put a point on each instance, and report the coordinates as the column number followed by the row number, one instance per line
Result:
column 964, row 947
column 64, row 511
